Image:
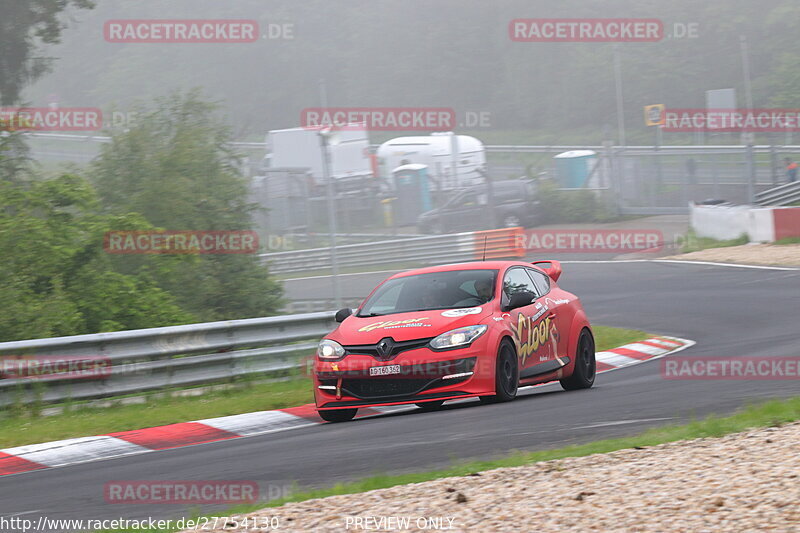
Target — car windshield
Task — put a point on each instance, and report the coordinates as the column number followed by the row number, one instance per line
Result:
column 435, row 290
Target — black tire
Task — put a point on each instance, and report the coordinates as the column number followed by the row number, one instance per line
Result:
column 338, row 415
column 430, row 406
column 506, row 375
column 585, row 365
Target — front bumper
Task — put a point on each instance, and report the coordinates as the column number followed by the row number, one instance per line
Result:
column 424, row 375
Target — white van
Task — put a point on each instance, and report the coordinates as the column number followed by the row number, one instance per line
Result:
column 436, row 151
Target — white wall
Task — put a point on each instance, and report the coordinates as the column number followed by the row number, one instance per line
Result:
column 762, row 225
column 720, row 222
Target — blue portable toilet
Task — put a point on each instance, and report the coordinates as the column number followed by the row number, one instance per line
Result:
column 412, row 192
column 573, row 168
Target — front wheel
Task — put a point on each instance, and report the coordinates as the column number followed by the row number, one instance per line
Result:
column 506, row 375
column 585, row 365
column 338, row 415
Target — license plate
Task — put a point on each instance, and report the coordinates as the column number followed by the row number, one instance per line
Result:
column 384, row 370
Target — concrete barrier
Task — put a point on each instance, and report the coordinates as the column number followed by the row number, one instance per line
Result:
column 760, row 224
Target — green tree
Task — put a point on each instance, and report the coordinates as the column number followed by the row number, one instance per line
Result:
column 175, row 166
column 55, row 277
column 15, row 163
column 25, row 25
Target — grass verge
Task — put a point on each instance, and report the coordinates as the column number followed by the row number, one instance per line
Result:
column 606, row 337
column 693, row 243
column 771, row 413
column 788, row 240
column 82, row 420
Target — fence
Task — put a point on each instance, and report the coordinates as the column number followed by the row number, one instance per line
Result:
column 152, row 359
column 646, row 179
column 458, row 247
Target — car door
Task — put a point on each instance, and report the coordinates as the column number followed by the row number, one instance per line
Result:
column 530, row 324
column 533, row 206
column 466, row 212
column 561, row 314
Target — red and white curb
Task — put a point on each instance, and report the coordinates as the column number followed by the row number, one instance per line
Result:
column 639, row 352
column 85, row 449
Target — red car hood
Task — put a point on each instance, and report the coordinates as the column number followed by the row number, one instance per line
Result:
column 406, row 326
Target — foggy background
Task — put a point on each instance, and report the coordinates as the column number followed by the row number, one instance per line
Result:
column 450, row 53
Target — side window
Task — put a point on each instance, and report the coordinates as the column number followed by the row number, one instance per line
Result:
column 517, row 280
column 541, row 280
column 470, row 199
column 456, row 200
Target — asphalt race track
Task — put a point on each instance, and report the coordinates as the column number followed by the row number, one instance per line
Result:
column 728, row 311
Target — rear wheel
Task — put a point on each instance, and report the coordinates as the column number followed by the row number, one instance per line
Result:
column 585, row 365
column 506, row 375
column 430, row 406
column 338, row 415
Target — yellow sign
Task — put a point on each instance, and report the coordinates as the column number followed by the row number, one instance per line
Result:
column 654, row 115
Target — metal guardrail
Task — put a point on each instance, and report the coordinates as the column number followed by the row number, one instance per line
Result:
column 107, row 139
column 157, row 358
column 643, row 149
column 179, row 356
column 310, row 305
column 509, row 148
column 786, row 194
column 454, row 248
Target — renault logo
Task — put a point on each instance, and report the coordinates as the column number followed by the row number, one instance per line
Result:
column 384, row 347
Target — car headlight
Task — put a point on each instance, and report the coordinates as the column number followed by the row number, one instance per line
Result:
column 329, row 350
column 458, row 337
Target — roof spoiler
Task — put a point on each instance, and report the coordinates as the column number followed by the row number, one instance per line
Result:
column 551, row 267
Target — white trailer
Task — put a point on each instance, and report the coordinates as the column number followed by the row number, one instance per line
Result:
column 452, row 159
column 301, row 148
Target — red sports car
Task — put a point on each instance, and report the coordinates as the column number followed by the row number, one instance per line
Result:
column 479, row 329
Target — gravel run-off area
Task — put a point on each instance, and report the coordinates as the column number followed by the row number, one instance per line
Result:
column 750, row 254
column 744, row 482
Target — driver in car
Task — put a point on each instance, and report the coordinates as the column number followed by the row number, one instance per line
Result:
column 483, row 287
column 483, row 293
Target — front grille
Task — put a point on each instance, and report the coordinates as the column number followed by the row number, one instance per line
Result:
column 397, row 348
column 362, row 403
column 383, row 388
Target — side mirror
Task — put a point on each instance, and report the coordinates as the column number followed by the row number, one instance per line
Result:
column 343, row 313
column 519, row 299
